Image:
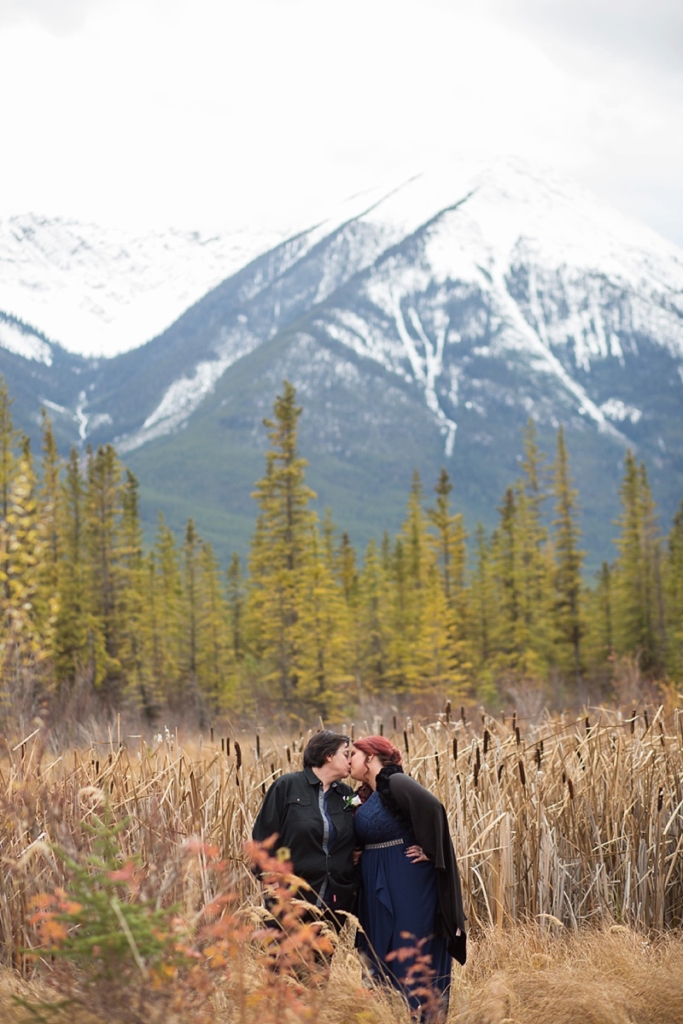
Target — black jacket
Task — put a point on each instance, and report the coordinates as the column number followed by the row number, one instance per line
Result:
column 427, row 817
column 291, row 809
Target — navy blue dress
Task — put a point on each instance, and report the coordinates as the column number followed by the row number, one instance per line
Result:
column 398, row 897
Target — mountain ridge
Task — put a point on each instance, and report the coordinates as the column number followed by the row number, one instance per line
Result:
column 480, row 297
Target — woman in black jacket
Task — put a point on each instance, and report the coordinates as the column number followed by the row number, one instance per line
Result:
column 308, row 811
column 411, row 894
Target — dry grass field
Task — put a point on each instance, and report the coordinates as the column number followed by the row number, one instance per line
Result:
column 569, row 836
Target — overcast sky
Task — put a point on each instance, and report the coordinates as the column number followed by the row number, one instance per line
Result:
column 205, row 113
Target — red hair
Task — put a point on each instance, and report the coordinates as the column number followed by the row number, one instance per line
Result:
column 385, row 751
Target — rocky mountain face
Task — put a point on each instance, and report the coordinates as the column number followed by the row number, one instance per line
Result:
column 421, row 327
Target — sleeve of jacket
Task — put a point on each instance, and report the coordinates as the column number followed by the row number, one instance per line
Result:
column 430, row 826
column 270, row 819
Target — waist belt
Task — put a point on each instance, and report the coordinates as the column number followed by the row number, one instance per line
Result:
column 383, row 846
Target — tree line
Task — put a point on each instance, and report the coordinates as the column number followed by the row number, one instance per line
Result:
column 310, row 627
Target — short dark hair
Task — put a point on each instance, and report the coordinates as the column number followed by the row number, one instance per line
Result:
column 323, row 745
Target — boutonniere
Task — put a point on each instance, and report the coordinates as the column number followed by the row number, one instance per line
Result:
column 351, row 802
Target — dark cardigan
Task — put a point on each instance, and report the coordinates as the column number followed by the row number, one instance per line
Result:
column 412, row 804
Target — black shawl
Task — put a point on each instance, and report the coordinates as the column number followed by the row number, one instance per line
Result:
column 412, row 804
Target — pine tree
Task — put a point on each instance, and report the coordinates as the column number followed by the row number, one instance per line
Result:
column 79, row 645
column 8, row 442
column 674, row 596
column 49, row 498
column 322, row 634
column 103, row 510
column 279, row 549
column 569, row 558
column 506, row 620
column 134, row 653
column 213, row 641
column 374, row 627
column 450, row 551
column 165, row 618
column 22, row 545
column 638, row 613
column 236, row 599
column 190, row 607
column 535, row 629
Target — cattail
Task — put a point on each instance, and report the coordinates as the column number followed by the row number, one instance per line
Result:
column 238, row 755
column 501, row 766
column 476, row 774
column 405, row 741
column 289, row 755
column 395, row 725
column 227, row 746
column 538, row 758
column 455, row 749
column 211, row 731
column 487, row 737
column 660, row 799
column 633, row 722
column 448, row 711
column 514, row 721
column 436, row 764
column 588, row 726
column 381, row 728
column 570, row 787
column 647, row 723
column 522, row 773
column 518, row 736
column 477, row 756
column 462, row 716
column 222, row 744
column 258, row 747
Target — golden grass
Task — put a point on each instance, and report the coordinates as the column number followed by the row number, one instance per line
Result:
column 561, row 830
column 521, row 976
column 570, row 822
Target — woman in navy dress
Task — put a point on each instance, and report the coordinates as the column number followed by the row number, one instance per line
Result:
column 411, row 889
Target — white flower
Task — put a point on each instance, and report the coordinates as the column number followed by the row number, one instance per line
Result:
column 351, row 802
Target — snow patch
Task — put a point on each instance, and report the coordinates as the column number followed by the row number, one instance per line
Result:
column 618, row 411
column 24, row 343
column 178, row 403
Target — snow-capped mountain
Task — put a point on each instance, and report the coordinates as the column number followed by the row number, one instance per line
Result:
column 101, row 291
column 421, row 324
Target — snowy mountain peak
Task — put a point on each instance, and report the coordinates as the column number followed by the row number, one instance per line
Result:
column 100, row 291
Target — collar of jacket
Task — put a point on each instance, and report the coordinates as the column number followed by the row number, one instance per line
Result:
column 313, row 779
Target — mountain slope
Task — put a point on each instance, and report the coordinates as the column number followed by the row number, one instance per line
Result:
column 101, row 291
column 422, row 326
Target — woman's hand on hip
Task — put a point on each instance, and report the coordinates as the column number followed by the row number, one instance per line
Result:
column 416, row 854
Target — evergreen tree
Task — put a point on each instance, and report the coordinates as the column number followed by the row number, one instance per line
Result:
column 22, row 545
column 78, row 641
column 674, row 596
column 103, row 510
column 506, row 620
column 235, row 599
column 49, row 496
column 322, row 634
column 638, row 616
column 214, row 668
column 568, row 612
column 279, row 550
column 374, row 628
column 535, row 630
column 134, row 651
column 165, row 605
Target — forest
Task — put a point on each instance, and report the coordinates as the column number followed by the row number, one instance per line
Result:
column 91, row 616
